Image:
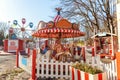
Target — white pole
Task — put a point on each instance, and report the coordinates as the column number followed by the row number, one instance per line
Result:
column 94, row 41
column 112, row 44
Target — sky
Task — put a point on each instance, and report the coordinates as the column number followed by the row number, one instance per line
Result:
column 32, row 10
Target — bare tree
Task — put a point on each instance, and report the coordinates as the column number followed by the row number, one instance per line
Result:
column 3, row 32
column 3, row 29
column 91, row 14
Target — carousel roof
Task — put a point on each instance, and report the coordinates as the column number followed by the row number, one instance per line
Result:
column 58, row 28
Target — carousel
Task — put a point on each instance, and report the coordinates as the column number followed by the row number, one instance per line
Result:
column 57, row 30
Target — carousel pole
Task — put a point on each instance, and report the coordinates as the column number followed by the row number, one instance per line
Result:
column 118, row 26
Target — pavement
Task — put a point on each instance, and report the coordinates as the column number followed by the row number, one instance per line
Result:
column 2, row 53
column 8, row 69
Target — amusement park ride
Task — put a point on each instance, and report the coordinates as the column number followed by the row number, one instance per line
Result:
column 17, row 36
column 20, row 31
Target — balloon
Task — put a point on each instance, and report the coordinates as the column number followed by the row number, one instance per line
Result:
column 15, row 22
column 31, row 24
column 23, row 20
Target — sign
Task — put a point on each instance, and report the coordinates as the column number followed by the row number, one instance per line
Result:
column 12, row 45
column 24, row 61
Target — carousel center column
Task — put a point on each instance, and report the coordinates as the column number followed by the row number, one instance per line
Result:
column 118, row 27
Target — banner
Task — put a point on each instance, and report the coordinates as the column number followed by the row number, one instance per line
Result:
column 12, row 45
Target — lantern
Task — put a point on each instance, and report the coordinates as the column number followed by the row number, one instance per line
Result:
column 11, row 30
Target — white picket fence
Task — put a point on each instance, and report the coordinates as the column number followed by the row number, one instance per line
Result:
column 110, row 68
column 55, row 69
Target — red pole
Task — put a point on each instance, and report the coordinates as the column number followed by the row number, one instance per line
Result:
column 28, row 52
column 84, row 57
column 17, row 58
column 33, row 64
column 93, row 52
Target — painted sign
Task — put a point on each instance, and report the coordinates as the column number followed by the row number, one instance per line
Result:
column 24, row 61
column 12, row 45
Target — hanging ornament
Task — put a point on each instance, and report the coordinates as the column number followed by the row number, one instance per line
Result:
column 11, row 30
column 23, row 20
column 22, row 29
column 31, row 24
column 15, row 22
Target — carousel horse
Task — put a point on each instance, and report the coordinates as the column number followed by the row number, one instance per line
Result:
column 45, row 52
column 46, row 55
column 63, row 56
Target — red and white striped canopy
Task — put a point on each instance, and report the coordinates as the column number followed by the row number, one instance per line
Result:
column 57, row 33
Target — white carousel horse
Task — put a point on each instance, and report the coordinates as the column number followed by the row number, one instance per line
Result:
column 46, row 55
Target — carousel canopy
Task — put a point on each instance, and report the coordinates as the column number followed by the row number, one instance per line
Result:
column 58, row 28
column 57, row 33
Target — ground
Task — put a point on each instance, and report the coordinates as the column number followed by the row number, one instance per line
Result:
column 8, row 69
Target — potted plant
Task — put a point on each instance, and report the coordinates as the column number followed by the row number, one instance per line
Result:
column 81, row 71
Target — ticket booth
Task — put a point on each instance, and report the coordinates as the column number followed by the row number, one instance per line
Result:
column 13, row 45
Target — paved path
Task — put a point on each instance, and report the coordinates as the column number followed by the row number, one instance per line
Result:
column 8, row 69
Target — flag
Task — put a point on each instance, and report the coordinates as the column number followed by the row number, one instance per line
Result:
column 57, row 18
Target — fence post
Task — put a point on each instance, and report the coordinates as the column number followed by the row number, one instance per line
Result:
column 93, row 56
column 34, row 65
column 84, row 56
column 17, row 58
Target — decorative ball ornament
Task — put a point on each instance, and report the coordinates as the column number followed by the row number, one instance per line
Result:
column 11, row 30
column 22, row 29
column 23, row 20
column 31, row 24
column 15, row 22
